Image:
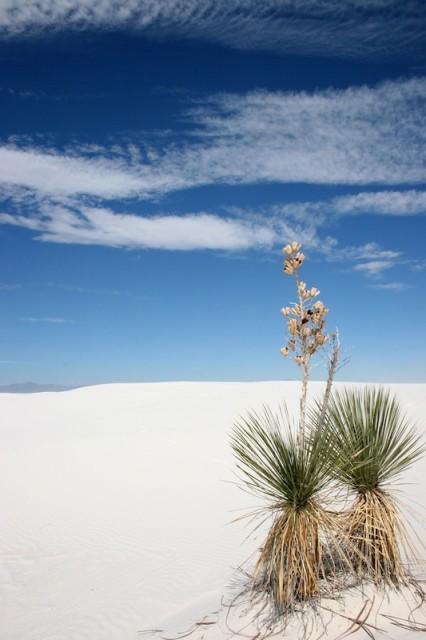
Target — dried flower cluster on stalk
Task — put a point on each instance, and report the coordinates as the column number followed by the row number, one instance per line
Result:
column 305, row 319
column 306, row 328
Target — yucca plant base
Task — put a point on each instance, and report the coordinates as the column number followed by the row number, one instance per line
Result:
column 363, row 444
column 290, row 567
column 295, row 565
column 305, row 556
column 374, row 528
column 289, row 564
column 374, row 445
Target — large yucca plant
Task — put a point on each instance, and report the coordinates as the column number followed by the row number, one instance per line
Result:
column 373, row 445
column 294, row 562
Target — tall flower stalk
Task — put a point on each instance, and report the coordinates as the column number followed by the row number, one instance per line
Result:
column 306, row 328
column 333, row 361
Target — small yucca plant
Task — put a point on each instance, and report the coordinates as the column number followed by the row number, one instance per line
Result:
column 373, row 444
column 294, row 560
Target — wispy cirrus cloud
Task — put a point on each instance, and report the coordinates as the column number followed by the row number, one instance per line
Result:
column 85, row 290
column 243, row 231
column 391, row 286
column 410, row 202
column 374, row 268
column 24, row 93
column 357, row 136
column 44, row 320
column 370, row 251
column 10, row 287
column 419, row 265
column 388, row 203
column 355, row 29
column 47, row 172
column 361, row 137
column 202, row 231
column 101, row 226
column 92, row 291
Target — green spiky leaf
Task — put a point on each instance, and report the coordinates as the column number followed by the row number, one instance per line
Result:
column 373, row 441
column 274, row 465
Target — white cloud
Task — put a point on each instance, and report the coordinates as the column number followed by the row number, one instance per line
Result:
column 23, row 93
column 358, row 136
column 371, row 251
column 418, row 265
column 194, row 231
column 48, row 320
column 354, row 29
column 391, row 286
column 53, row 173
column 384, row 203
column 390, row 203
column 10, row 287
column 370, row 259
column 100, row 226
column 85, row 290
column 374, row 268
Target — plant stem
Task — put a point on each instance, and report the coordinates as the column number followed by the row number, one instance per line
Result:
column 332, row 368
column 305, row 377
column 302, row 420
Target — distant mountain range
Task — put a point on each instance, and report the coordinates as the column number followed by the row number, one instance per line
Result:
column 33, row 387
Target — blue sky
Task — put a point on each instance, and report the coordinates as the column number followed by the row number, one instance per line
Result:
column 155, row 158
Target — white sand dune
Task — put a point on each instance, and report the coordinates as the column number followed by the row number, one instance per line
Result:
column 116, row 502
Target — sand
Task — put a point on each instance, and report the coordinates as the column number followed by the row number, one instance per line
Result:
column 117, row 502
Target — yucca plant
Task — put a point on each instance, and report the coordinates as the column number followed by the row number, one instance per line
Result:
column 373, row 445
column 294, row 562
column 292, row 471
